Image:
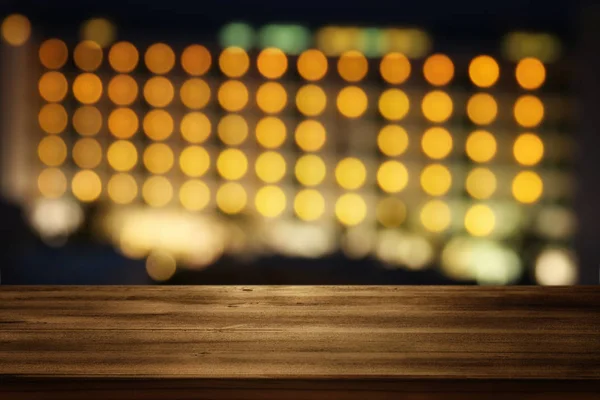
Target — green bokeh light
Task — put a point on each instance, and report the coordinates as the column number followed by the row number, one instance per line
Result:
column 291, row 39
column 372, row 42
column 237, row 34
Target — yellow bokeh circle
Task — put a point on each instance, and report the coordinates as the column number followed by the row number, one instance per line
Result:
column 436, row 180
column 350, row 209
column 352, row 102
column 394, row 104
column 350, row 173
column 392, row 176
column 86, row 185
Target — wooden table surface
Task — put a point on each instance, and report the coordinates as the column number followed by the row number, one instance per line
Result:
column 234, row 342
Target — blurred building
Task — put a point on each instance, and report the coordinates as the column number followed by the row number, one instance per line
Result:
column 280, row 139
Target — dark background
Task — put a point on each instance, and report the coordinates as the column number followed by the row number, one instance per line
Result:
column 477, row 23
column 472, row 19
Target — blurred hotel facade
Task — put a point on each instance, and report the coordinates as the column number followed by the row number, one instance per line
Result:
column 280, row 139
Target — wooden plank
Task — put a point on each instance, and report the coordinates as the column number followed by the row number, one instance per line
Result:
column 231, row 341
column 227, row 332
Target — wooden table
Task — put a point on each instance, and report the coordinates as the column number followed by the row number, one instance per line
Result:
column 299, row 342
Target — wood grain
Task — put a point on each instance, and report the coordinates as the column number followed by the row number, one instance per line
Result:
column 277, row 339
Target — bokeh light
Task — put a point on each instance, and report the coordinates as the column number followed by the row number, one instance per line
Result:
column 310, row 170
column 157, row 191
column 52, row 151
column 484, row 71
column 88, row 55
column 391, row 212
column 393, row 104
column 480, row 220
column 270, row 167
column 437, row 106
column 482, row 109
column 352, row 66
column 350, row 209
column 159, row 58
column 233, row 95
column 123, row 57
column 556, row 222
column 519, row 44
column 272, row 63
column 234, row 62
column 86, row 186
column 436, row 143
column 55, row 218
column 435, row 216
column 528, row 149
column 87, row 153
column 194, row 195
column 53, row 118
column 481, row 146
column 231, row 198
column 350, row 173
column 271, row 97
column 530, row 73
column 122, row 90
column 486, row 261
column 270, row 132
column 392, row 176
column 237, row 34
column 160, row 266
column 528, row 111
column 309, row 205
column 232, row 164
column 527, row 187
column 195, row 127
column 438, row 69
column 556, row 266
column 123, row 123
column 53, row 53
column 195, row 93
column 53, row 86
column 492, row 263
column 159, row 91
column 312, row 65
column 270, row 201
column 392, row 140
column 52, row 183
column 87, row 88
column 290, row 38
column 196, row 60
column 87, row 120
column 418, row 252
column 481, row 183
column 436, row 180
column 194, row 161
column 311, row 100
column 158, row 158
column 122, row 155
column 352, row 102
column 158, row 125
column 232, row 129
column 394, row 68
column 122, row 188
column 310, row 135
column 99, row 30
column 16, row 29
column 457, row 257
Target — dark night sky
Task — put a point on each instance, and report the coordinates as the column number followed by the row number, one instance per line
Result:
column 469, row 17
